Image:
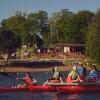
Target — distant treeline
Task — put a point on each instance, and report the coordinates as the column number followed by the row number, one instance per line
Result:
column 38, row 29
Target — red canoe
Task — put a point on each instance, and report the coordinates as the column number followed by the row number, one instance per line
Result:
column 59, row 87
column 8, row 89
column 30, row 88
column 43, row 88
column 77, row 87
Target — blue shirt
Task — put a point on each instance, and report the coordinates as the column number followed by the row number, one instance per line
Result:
column 93, row 74
column 80, row 70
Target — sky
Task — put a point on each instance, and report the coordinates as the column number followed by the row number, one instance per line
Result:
column 8, row 8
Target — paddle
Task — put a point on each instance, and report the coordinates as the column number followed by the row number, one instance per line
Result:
column 45, row 83
column 21, row 79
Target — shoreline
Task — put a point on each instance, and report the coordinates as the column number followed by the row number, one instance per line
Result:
column 39, row 69
column 35, row 66
column 36, row 69
column 37, row 62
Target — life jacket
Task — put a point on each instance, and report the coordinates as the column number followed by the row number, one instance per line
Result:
column 93, row 75
column 81, row 70
column 69, row 79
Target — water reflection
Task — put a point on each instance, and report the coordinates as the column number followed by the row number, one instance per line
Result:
column 42, row 96
column 61, row 96
column 48, row 96
column 54, row 96
column 73, row 97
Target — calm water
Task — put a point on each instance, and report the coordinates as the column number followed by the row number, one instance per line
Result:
column 8, row 80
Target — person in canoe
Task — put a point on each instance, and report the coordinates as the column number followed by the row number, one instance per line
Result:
column 56, row 76
column 28, row 80
column 93, row 75
column 81, row 70
column 73, row 76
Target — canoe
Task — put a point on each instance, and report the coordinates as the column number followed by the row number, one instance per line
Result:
column 8, row 89
column 77, row 87
column 59, row 87
column 30, row 88
column 43, row 88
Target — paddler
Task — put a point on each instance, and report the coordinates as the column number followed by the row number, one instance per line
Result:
column 93, row 75
column 56, row 77
column 28, row 80
column 73, row 76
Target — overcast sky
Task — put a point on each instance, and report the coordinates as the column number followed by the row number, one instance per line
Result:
column 9, row 7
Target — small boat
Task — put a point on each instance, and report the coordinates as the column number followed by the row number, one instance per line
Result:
column 59, row 87
column 8, row 89
column 30, row 88
column 77, row 87
column 43, row 88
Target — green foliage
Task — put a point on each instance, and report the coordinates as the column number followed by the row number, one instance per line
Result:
column 93, row 38
column 40, row 21
column 71, row 27
column 9, row 41
column 82, row 20
column 63, row 26
column 19, row 25
column 40, row 24
column 60, row 24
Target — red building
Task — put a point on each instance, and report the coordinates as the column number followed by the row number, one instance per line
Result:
column 70, row 47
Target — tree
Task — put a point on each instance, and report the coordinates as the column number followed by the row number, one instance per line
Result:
column 93, row 38
column 80, row 23
column 9, row 41
column 70, row 27
column 19, row 25
column 61, row 25
column 40, row 23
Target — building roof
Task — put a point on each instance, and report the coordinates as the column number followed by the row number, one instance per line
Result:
column 68, row 44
